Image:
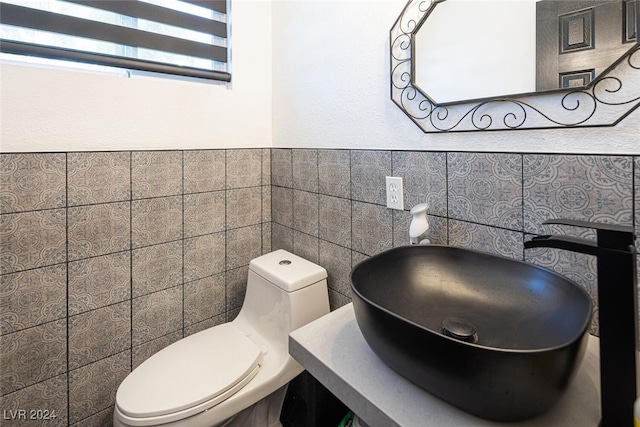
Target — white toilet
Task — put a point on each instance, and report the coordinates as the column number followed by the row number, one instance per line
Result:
column 235, row 374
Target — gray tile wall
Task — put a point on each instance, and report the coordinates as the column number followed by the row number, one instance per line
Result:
column 486, row 201
column 109, row 257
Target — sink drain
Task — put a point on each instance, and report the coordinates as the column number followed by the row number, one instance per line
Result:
column 459, row 329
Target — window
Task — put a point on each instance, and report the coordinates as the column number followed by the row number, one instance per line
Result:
column 185, row 38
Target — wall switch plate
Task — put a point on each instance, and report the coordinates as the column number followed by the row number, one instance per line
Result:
column 395, row 192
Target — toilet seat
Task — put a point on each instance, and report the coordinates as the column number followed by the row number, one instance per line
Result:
column 189, row 376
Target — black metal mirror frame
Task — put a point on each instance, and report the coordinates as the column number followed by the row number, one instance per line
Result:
column 606, row 101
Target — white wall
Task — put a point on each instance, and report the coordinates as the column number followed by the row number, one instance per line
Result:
column 331, row 89
column 57, row 110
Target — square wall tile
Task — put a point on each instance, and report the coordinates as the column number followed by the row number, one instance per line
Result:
column 92, row 388
column 334, row 220
column 486, row 188
column 99, row 177
column 334, row 171
column 244, row 207
column 204, row 256
column 368, row 172
column 438, row 229
column 244, row 168
column 32, row 239
column 206, row 324
column 100, row 281
column 266, row 166
column 98, row 230
column 243, row 245
column 424, row 177
column 204, row 299
column 337, row 260
column 156, row 221
column 37, row 181
column 32, row 297
column 157, row 314
column 484, row 238
column 305, row 170
column 282, row 206
column 204, row 213
column 50, row 395
column 33, row 355
column 148, row 349
column 372, row 228
column 100, row 333
column 282, row 167
column 306, row 246
column 590, row 188
column 236, row 287
column 305, row 212
column 157, row 267
column 281, row 237
column 204, row 170
column 156, row 173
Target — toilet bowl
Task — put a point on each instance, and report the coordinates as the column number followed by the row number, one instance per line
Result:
column 235, row 374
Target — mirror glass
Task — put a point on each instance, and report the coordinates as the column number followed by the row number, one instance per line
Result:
column 477, row 49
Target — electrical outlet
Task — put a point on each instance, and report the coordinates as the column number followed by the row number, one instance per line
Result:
column 395, row 192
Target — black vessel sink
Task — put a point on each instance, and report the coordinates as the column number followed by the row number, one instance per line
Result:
column 498, row 338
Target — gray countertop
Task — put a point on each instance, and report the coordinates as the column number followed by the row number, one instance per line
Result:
column 334, row 351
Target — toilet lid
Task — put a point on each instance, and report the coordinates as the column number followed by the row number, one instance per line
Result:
column 191, row 371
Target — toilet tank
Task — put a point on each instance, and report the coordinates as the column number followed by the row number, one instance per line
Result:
column 284, row 292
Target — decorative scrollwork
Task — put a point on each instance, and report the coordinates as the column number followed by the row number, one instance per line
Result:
column 605, row 102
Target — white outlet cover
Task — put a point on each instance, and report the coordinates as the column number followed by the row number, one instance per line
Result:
column 395, row 192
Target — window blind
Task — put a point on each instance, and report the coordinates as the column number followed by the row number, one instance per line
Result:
column 186, row 38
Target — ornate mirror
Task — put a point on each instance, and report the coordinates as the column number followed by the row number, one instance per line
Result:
column 468, row 65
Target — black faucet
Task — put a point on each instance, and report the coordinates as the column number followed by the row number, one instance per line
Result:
column 618, row 312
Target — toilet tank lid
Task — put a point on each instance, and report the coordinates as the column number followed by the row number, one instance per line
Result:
column 287, row 271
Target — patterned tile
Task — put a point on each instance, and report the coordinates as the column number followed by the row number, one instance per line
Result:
column 156, row 314
column 99, row 177
column 281, row 237
column 102, row 418
column 156, row 173
column 438, row 233
column 148, row 349
column 204, row 170
column 368, row 172
column 266, row 166
column 592, row 188
column 236, row 287
column 337, row 261
column 155, row 268
column 580, row 268
column 204, row 299
column 306, row 246
column 204, row 256
column 49, row 396
column 282, row 206
column 498, row 241
column 204, row 213
column 266, row 203
column 156, row 221
column 337, row 300
column 97, row 282
column 424, row 178
column 244, row 207
column 334, row 221
column 244, row 168
column 305, row 170
column 282, row 167
column 100, row 333
column 305, row 212
column 486, row 188
column 243, row 245
column 372, row 228
column 32, row 297
column 32, row 239
column 92, row 388
column 266, row 237
column 32, row 182
column 206, row 324
column 98, row 230
column 33, row 355
column 334, row 170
